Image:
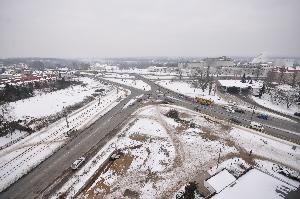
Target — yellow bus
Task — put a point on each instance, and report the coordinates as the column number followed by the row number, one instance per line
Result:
column 204, row 101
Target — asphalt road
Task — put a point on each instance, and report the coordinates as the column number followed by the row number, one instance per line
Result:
column 87, row 141
column 282, row 128
column 93, row 138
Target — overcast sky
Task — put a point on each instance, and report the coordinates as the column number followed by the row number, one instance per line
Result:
column 135, row 28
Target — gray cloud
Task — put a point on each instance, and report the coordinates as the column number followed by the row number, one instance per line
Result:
column 118, row 28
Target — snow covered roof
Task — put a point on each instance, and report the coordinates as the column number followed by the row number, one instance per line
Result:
column 239, row 84
column 256, row 184
column 221, row 180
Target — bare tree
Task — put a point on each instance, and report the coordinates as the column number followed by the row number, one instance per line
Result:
column 295, row 73
column 258, row 71
column 282, row 70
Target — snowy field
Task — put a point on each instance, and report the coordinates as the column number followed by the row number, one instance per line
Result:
column 127, row 80
column 18, row 159
column 47, row 104
column 277, row 99
column 186, row 89
column 161, row 155
column 266, row 101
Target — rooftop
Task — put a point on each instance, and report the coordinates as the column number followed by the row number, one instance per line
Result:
column 258, row 185
column 221, row 180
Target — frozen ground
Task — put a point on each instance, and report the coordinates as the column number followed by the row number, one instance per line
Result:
column 47, row 104
column 20, row 158
column 12, row 138
column 127, row 80
column 281, row 107
column 277, row 99
column 185, row 88
column 161, row 155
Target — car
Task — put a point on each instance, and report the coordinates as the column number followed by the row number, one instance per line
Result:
column 230, row 110
column 232, row 103
column 263, row 116
column 234, row 120
column 238, row 110
column 181, row 96
column 115, row 157
column 256, row 126
column 168, row 100
column 77, row 163
column 297, row 114
column 198, row 108
column 226, row 106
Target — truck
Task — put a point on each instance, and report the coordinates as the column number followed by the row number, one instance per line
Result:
column 203, row 101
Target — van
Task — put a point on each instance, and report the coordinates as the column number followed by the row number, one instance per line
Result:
column 256, row 126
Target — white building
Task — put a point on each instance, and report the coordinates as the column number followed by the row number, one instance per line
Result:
column 219, row 181
column 157, row 69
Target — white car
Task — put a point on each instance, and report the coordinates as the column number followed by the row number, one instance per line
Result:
column 256, row 126
column 230, row 110
column 77, row 163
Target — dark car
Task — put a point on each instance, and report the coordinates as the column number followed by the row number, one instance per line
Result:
column 263, row 116
column 239, row 110
column 234, row 120
column 197, row 108
column 168, row 100
column 297, row 114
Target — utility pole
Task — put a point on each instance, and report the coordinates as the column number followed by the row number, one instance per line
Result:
column 219, row 158
column 252, row 114
column 67, row 121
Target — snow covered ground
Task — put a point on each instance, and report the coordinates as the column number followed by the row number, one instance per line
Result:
column 186, row 88
column 12, row 138
column 281, row 107
column 18, row 159
column 127, row 80
column 161, row 155
column 47, row 104
column 277, row 99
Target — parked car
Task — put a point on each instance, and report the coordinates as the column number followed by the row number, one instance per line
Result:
column 256, row 126
column 297, row 114
column 263, row 116
column 234, row 120
column 77, row 163
column 116, row 155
